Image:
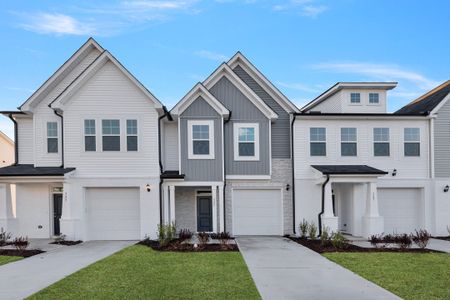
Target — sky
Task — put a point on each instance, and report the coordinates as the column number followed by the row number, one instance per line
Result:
column 302, row 46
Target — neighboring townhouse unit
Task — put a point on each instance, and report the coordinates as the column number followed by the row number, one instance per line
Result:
column 6, row 150
column 87, row 163
column 227, row 155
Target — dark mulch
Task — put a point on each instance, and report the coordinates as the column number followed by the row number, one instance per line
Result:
column 66, row 243
column 316, row 246
column 15, row 252
column 444, row 238
column 177, row 247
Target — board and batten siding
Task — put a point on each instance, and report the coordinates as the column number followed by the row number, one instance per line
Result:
column 442, row 142
column 109, row 94
column 201, row 169
column 281, row 128
column 242, row 111
column 25, row 136
column 170, row 152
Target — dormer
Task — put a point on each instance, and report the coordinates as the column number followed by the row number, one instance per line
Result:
column 352, row 97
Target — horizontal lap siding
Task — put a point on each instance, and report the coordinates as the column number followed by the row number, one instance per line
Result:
column 442, row 142
column 170, row 152
column 25, row 143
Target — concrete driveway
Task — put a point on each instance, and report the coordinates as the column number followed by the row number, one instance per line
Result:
column 25, row 277
column 283, row 269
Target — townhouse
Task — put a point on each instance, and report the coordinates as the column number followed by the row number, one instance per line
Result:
column 99, row 157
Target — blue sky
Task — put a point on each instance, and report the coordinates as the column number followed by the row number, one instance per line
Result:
column 303, row 46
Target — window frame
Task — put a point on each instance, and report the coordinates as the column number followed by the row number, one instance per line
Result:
column 418, row 141
column 119, row 135
column 322, row 142
column 355, row 103
column 190, row 124
column 236, row 127
column 89, row 134
column 132, row 134
column 373, row 103
column 382, row 142
column 349, row 142
column 55, row 137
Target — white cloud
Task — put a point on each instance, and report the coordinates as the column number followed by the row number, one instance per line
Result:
column 298, row 87
column 306, row 8
column 211, row 55
column 58, row 24
column 161, row 5
column 312, row 10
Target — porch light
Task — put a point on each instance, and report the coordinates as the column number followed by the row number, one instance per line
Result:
column 394, row 172
column 446, row 188
column 148, row 187
column 288, row 187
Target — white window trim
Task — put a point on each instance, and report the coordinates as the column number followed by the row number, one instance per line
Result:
column 135, row 134
column 355, row 141
column 57, row 137
column 418, row 141
column 191, row 154
column 236, row 127
column 325, row 141
column 388, row 141
column 355, row 103
column 120, row 135
column 373, row 104
column 85, row 135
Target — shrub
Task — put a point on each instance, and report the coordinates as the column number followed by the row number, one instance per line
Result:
column 421, row 238
column 338, row 240
column 303, row 228
column 376, row 239
column 166, row 233
column 21, row 243
column 203, row 238
column 312, row 231
column 390, row 238
column 224, row 239
column 4, row 237
column 403, row 240
column 184, row 235
column 325, row 237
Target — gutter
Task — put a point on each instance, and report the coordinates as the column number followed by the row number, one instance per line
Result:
column 62, row 134
column 16, row 140
column 323, row 204
column 293, row 172
column 161, row 167
column 224, row 173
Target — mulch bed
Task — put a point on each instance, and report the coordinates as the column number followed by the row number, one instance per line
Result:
column 66, row 243
column 176, row 247
column 444, row 238
column 316, row 246
column 15, row 252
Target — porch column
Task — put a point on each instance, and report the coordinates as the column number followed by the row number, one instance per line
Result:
column 221, row 218
column 373, row 223
column 214, row 207
column 6, row 207
column 328, row 218
column 165, row 208
column 172, row 203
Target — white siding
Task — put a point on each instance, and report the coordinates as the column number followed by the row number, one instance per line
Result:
column 407, row 167
column 340, row 102
column 6, row 152
column 25, row 140
column 170, row 152
column 109, row 94
column 330, row 105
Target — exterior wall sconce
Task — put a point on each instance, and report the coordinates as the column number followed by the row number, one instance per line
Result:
column 446, row 188
column 148, row 187
column 288, row 187
column 394, row 172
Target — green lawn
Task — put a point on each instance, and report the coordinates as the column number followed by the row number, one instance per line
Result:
column 8, row 259
column 408, row 275
column 140, row 272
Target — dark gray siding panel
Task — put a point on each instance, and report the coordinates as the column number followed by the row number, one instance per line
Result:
column 243, row 111
column 442, row 142
column 201, row 169
column 281, row 137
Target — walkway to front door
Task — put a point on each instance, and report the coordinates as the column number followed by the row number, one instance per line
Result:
column 283, row 269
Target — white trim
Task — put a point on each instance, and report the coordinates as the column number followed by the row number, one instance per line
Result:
column 420, row 141
column 355, row 141
column 168, row 182
column 236, row 127
column 225, row 71
column 249, row 177
column 309, row 142
column 190, row 139
column 268, row 87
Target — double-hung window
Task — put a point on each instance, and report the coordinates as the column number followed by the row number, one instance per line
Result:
column 111, row 135
column 318, row 141
column 200, row 139
column 381, row 145
column 355, row 98
column 374, row 98
column 412, row 141
column 246, row 141
column 348, row 142
column 89, row 135
column 132, row 135
column 52, row 137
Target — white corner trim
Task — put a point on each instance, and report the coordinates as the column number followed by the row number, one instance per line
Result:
column 248, row 177
column 191, row 154
column 236, row 127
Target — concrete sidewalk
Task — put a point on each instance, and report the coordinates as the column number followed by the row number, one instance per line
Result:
column 439, row 245
column 283, row 269
column 25, row 277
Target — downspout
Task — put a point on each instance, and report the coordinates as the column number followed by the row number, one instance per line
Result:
column 62, row 134
column 323, row 204
column 224, row 172
column 16, row 141
column 161, row 167
column 293, row 173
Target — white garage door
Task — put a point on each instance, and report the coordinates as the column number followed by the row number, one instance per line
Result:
column 113, row 213
column 400, row 208
column 257, row 212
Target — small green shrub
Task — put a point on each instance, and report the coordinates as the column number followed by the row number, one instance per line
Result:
column 4, row 237
column 376, row 239
column 403, row 240
column 184, row 235
column 312, row 231
column 421, row 238
column 21, row 243
column 203, row 238
column 224, row 239
column 325, row 237
column 303, row 228
column 166, row 233
column 338, row 240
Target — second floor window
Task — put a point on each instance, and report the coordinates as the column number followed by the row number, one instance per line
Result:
column 381, row 142
column 111, row 135
column 318, row 141
column 348, row 142
column 246, row 141
column 132, row 139
column 52, row 137
column 374, row 98
column 355, row 98
column 412, row 141
column 89, row 136
column 200, row 139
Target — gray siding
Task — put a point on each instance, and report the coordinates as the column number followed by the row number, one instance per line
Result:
column 442, row 142
column 281, row 137
column 201, row 169
column 243, row 111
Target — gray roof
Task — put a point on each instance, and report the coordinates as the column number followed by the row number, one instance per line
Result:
column 426, row 103
column 172, row 175
column 348, row 170
column 30, row 170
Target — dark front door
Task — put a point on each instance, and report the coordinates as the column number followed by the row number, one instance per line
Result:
column 57, row 211
column 204, row 213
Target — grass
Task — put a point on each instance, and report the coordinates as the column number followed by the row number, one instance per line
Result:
column 138, row 272
column 408, row 275
column 7, row 259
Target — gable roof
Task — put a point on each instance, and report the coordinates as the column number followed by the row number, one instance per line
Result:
column 199, row 90
column 59, row 75
column 62, row 99
column 240, row 60
column 429, row 102
column 225, row 71
column 342, row 85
